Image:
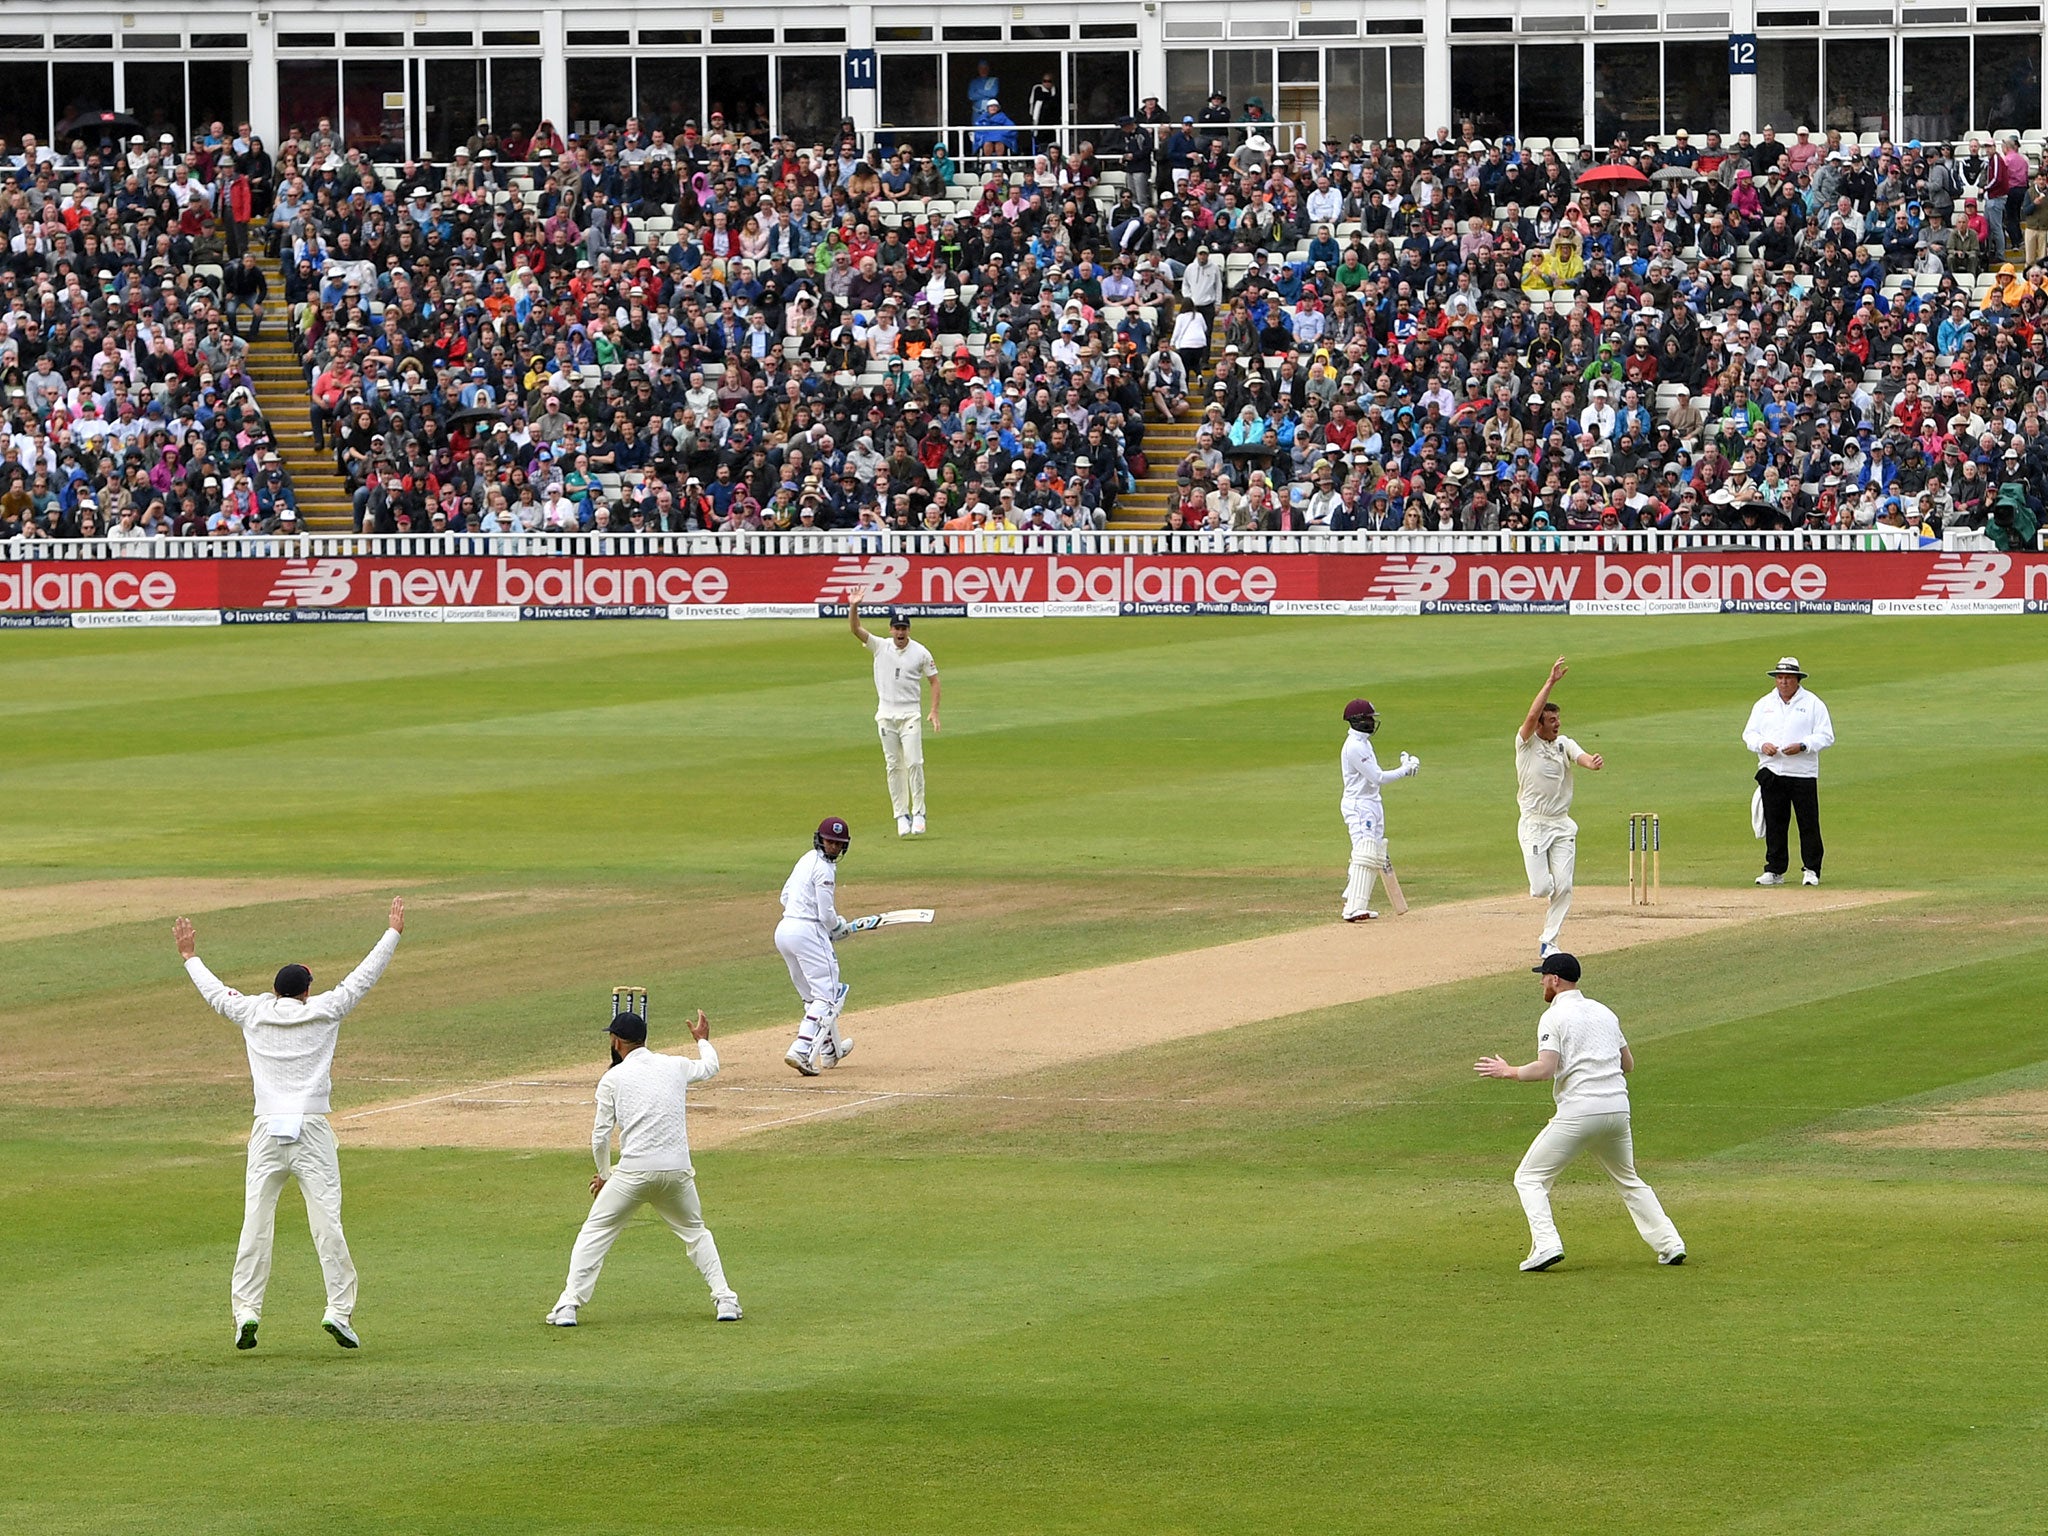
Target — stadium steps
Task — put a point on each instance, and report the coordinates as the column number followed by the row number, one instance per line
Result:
column 323, row 497
column 1166, row 444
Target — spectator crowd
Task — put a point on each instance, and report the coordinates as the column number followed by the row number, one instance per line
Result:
column 689, row 327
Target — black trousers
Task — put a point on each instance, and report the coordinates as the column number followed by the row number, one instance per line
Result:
column 1782, row 797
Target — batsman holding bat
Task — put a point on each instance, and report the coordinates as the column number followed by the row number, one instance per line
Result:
column 642, row 1096
column 1364, row 816
column 1548, row 836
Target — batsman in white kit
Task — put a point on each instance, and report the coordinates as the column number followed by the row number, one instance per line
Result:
column 901, row 666
column 643, row 1097
column 1581, row 1052
column 1543, row 789
column 1364, row 816
column 290, row 1035
column 810, row 926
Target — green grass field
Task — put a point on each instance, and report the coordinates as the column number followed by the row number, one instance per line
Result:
column 1262, row 1281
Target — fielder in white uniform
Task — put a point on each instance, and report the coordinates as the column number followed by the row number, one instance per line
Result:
column 1543, row 789
column 290, row 1036
column 643, row 1096
column 1580, row 1049
column 901, row 666
column 1364, row 816
column 810, row 926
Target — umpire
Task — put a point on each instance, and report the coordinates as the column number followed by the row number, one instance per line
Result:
column 1788, row 730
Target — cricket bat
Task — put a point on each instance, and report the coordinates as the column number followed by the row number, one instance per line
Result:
column 1393, row 886
column 891, row 919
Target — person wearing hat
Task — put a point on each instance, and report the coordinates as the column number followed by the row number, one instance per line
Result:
column 1582, row 1054
column 1788, row 730
column 642, row 1097
column 901, row 666
column 810, row 926
column 290, row 1034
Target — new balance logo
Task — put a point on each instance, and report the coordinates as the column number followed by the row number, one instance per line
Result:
column 1974, row 575
column 880, row 576
column 312, row 584
column 1412, row 579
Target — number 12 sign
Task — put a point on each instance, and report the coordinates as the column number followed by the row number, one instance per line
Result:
column 1742, row 53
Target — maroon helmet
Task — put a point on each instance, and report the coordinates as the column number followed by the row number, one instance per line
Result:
column 833, row 829
column 1361, row 716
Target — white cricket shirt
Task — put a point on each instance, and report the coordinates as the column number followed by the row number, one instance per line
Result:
column 1801, row 718
column 1588, row 1040
column 643, row 1096
column 290, row 1043
column 807, row 895
column 899, row 675
column 1363, row 775
column 1543, row 779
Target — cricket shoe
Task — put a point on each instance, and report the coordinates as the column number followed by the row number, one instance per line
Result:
column 245, row 1334
column 1545, row 951
column 1809, row 877
column 802, row 1060
column 344, row 1335
column 1360, row 917
column 835, row 1054
column 562, row 1317
column 903, row 826
column 729, row 1309
column 917, row 826
column 1542, row 1260
column 1676, row 1256
column 1767, row 878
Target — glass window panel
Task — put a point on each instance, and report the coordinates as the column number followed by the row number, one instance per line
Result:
column 511, row 39
column 220, row 39
column 600, row 94
column 219, row 92
column 1934, row 75
column 810, row 97
column 1483, row 89
column 1102, row 87
column 156, row 95
column 2008, row 82
column 739, row 89
column 515, row 98
column 1357, row 105
column 1550, row 89
column 910, row 97
column 671, row 94
column 365, row 122
column 1187, row 81
column 671, row 37
column 308, row 93
column 444, row 39
column 1696, row 91
column 455, row 100
column 1244, row 75
column 81, row 87
column 1859, row 85
column 1787, row 81
column 1404, row 95
column 24, row 99
column 1627, row 94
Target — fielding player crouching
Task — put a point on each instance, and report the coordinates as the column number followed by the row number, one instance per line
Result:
column 643, row 1096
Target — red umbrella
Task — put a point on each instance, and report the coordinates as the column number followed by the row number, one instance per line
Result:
column 1613, row 176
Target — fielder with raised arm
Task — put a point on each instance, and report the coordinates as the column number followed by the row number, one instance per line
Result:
column 901, row 666
column 290, row 1036
column 810, row 926
column 1364, row 816
column 642, row 1096
column 1543, row 789
column 1581, row 1052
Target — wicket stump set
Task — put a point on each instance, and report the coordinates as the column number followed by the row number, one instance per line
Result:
column 629, row 1000
column 1645, row 858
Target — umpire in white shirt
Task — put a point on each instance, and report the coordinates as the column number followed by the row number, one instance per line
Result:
column 1788, row 730
column 290, row 1035
column 1580, row 1049
column 642, row 1095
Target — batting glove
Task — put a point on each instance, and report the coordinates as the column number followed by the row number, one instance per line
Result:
column 840, row 929
column 1410, row 764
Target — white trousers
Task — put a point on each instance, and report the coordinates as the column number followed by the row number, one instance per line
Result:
column 1607, row 1139
column 315, row 1162
column 672, row 1194
column 1368, row 858
column 813, row 963
column 903, row 750
column 1551, row 859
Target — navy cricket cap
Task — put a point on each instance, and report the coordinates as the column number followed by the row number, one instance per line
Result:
column 1561, row 965
column 292, row 981
column 629, row 1027
column 898, row 620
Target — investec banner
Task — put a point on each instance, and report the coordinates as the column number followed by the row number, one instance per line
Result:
column 486, row 589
